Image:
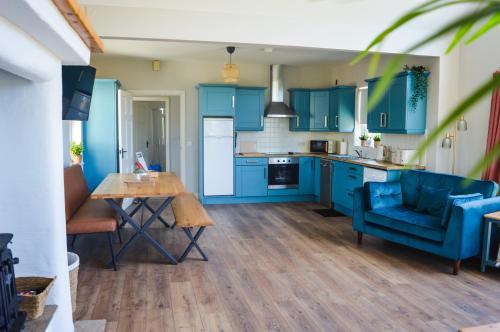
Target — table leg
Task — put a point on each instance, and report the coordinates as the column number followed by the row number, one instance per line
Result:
column 159, row 217
column 141, row 230
column 486, row 244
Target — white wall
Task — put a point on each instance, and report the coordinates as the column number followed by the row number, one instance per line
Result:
column 174, row 110
column 478, row 62
column 31, row 183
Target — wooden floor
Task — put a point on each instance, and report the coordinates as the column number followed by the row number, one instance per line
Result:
column 282, row 267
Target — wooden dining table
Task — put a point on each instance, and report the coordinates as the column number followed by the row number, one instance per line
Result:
column 117, row 186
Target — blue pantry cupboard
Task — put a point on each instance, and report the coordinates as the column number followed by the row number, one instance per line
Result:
column 100, row 133
column 394, row 114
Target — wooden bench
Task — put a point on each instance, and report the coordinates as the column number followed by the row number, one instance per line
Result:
column 189, row 214
column 85, row 215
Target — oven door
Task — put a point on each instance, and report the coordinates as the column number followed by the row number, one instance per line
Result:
column 285, row 176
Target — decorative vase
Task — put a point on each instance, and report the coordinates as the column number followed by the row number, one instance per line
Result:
column 377, row 144
column 364, row 143
column 76, row 159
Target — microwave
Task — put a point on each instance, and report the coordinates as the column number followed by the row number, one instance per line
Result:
column 318, row 146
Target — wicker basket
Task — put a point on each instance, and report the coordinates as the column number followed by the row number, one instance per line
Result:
column 33, row 304
column 73, row 276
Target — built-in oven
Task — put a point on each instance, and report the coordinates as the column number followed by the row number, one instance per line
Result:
column 283, row 173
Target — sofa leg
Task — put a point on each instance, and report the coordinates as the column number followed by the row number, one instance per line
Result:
column 110, row 241
column 360, row 238
column 456, row 266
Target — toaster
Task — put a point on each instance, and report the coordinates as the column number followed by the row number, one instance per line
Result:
column 404, row 157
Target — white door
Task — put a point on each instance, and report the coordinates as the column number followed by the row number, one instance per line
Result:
column 125, row 136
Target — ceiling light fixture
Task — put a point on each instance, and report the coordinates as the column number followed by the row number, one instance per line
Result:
column 231, row 72
column 156, row 65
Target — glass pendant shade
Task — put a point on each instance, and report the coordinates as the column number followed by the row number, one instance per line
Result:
column 462, row 124
column 447, row 142
column 231, row 73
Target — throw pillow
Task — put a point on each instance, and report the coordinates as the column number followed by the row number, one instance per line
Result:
column 457, row 200
column 432, row 200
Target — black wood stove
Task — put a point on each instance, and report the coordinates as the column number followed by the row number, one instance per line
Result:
column 11, row 319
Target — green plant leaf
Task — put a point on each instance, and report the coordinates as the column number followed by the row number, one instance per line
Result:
column 374, row 61
column 483, row 164
column 490, row 24
column 462, row 31
column 485, row 88
column 416, row 12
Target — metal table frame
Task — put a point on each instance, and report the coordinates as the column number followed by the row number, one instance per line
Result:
column 485, row 259
column 141, row 229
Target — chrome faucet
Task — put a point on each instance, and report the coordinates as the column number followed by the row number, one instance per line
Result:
column 359, row 153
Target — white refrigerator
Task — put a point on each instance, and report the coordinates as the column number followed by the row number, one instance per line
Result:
column 218, row 157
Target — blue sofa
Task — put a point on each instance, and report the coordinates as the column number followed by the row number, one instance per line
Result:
column 437, row 213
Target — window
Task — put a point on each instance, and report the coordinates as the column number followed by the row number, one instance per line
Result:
column 361, row 115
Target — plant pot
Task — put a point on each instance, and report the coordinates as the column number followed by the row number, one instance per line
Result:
column 377, row 143
column 364, row 143
column 76, row 159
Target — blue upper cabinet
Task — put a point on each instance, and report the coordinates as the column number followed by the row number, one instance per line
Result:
column 100, row 132
column 395, row 113
column 249, row 114
column 306, row 175
column 342, row 109
column 300, row 103
column 319, row 109
column 217, row 99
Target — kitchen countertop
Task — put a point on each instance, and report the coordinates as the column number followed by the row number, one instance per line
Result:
column 383, row 165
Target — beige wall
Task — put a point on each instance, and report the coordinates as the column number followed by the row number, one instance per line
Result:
column 174, row 110
column 136, row 74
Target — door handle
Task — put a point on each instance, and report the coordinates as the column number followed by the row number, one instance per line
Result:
column 233, row 101
column 381, row 122
column 262, row 121
column 122, row 153
column 336, row 121
column 326, row 121
column 298, row 121
column 385, row 120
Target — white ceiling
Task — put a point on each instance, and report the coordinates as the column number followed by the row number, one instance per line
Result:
column 216, row 52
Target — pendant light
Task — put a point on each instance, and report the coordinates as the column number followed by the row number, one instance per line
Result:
column 231, row 72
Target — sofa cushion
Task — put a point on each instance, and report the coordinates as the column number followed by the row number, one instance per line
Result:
column 432, row 201
column 413, row 180
column 94, row 216
column 404, row 219
column 382, row 194
column 76, row 191
column 457, row 200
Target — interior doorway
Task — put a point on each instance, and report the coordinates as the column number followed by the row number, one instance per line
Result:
column 157, row 131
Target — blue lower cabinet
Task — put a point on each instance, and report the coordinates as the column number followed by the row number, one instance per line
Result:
column 317, row 177
column 346, row 177
column 251, row 181
column 306, row 175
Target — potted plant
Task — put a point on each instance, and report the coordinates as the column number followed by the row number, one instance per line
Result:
column 377, row 139
column 76, row 150
column 420, row 74
column 363, row 138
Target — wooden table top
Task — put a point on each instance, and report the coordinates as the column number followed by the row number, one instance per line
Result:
column 114, row 186
column 482, row 328
column 494, row 215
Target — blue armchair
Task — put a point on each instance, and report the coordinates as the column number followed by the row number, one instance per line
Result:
column 437, row 213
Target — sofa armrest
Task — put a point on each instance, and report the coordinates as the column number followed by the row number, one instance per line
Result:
column 358, row 215
column 382, row 194
column 466, row 225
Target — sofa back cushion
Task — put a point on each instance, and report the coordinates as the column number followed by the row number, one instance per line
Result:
column 382, row 194
column 457, row 200
column 413, row 180
column 432, row 201
column 76, row 191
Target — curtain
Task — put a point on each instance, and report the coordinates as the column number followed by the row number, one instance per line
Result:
column 493, row 171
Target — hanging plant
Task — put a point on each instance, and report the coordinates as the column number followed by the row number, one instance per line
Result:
column 420, row 92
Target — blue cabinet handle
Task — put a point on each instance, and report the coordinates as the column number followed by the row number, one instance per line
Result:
column 350, row 194
column 352, row 168
column 353, row 176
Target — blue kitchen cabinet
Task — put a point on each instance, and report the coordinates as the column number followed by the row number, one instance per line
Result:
column 251, row 181
column 300, row 103
column 317, row 177
column 217, row 99
column 306, row 175
column 319, row 109
column 100, row 133
column 395, row 114
column 342, row 109
column 346, row 177
column 249, row 110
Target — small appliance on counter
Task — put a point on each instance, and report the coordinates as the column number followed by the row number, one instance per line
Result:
column 332, row 147
column 403, row 157
column 318, row 146
column 341, row 147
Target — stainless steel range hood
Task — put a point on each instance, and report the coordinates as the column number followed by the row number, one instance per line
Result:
column 277, row 107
